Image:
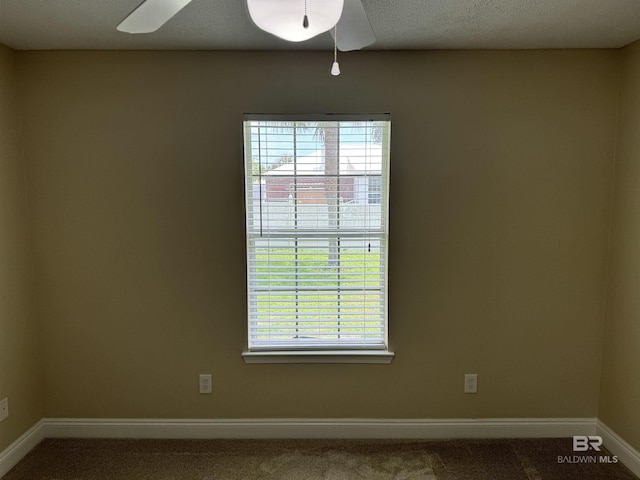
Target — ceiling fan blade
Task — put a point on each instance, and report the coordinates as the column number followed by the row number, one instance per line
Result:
column 354, row 29
column 151, row 15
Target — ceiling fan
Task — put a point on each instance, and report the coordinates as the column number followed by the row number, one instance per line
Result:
column 292, row 20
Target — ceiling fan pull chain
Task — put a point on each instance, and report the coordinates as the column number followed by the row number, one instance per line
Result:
column 305, row 20
column 335, row 67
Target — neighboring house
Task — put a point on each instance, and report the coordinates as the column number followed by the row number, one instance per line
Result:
column 358, row 180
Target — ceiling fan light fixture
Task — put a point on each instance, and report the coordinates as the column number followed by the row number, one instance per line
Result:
column 285, row 18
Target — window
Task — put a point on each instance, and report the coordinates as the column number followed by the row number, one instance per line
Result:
column 375, row 189
column 317, row 235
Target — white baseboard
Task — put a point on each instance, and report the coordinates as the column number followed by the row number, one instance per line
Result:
column 616, row 445
column 426, row 429
column 15, row 452
column 319, row 428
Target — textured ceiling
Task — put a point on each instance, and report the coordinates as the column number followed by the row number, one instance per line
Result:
column 398, row 24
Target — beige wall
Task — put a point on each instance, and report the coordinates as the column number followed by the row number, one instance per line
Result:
column 20, row 375
column 500, row 199
column 620, row 397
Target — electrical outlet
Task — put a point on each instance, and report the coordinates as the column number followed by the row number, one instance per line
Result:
column 471, row 383
column 205, row 383
column 4, row 408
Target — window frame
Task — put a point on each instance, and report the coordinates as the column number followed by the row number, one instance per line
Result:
column 319, row 354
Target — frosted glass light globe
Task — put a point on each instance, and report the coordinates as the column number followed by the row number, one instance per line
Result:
column 284, row 18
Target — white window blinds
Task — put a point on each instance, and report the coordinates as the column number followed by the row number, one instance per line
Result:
column 317, row 229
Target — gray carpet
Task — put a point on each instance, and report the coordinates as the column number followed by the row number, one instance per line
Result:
column 526, row 459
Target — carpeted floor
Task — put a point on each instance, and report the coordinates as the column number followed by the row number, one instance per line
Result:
column 526, row 459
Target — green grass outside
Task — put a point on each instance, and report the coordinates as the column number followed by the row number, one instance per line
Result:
column 286, row 314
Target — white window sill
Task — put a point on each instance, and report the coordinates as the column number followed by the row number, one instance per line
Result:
column 320, row 356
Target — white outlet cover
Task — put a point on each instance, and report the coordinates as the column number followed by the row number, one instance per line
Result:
column 471, row 383
column 205, row 383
